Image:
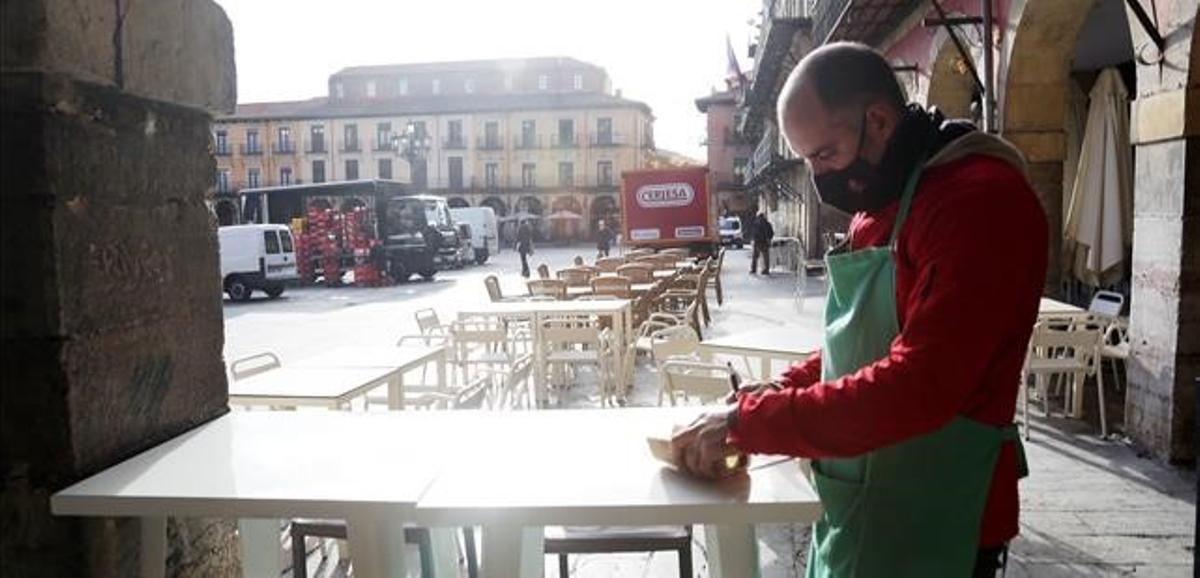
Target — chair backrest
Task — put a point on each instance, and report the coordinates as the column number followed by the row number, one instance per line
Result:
column 615, row 286
column 677, row 254
column 636, row 273
column 1107, row 303
column 548, row 287
column 563, row 331
column 427, row 321
column 1081, row 343
column 543, row 271
column 594, row 297
column 254, row 365
column 466, row 333
column 707, row 382
column 575, row 276
column 423, row 340
column 609, row 264
column 493, row 288
column 671, row 341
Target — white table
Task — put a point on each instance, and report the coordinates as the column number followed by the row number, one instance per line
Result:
column 369, row 469
column 330, row 387
column 618, row 311
column 400, row 359
column 593, row 468
column 1048, row 307
column 788, row 344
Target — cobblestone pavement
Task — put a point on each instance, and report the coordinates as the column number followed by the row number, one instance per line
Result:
column 1089, row 508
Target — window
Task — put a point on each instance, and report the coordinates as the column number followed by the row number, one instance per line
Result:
column 271, row 239
column 604, row 174
column 437, row 86
column 566, row 132
column 739, row 169
column 286, row 240
column 351, row 169
column 543, row 82
column 285, row 176
column 491, row 135
column 528, row 175
column 222, row 142
column 252, row 146
column 528, row 128
column 385, row 169
column 383, row 136
column 491, row 175
column 370, row 89
column 604, row 134
column 285, row 139
column 317, row 135
column 578, row 82
column 339, row 90
column 318, row 171
column 456, row 172
column 454, row 132
column 402, row 86
column 566, row 174
column 223, row 181
column 469, row 85
column 252, row 178
column 419, row 129
column 350, row 137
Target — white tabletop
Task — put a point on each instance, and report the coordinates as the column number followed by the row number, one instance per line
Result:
column 303, row 384
column 785, row 341
column 593, row 467
column 371, row 356
column 271, row 464
column 1054, row 306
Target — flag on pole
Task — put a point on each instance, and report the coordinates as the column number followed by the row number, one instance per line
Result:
column 733, row 72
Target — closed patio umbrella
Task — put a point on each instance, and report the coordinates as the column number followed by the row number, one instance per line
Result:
column 1098, row 228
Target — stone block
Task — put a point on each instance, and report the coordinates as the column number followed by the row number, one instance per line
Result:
column 1163, row 116
column 72, row 37
column 180, row 51
column 1040, row 146
column 1036, row 107
column 1159, row 177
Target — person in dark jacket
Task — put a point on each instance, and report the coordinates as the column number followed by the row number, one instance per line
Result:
column 525, row 246
column 604, row 239
column 762, row 232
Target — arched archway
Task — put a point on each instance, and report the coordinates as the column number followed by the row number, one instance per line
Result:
column 951, row 86
column 457, row 203
column 605, row 209
column 566, row 218
column 227, row 213
column 497, row 204
column 531, row 205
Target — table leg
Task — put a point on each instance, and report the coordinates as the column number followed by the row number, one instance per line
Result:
column 378, row 548
column 539, row 362
column 261, row 554
column 396, row 390
column 513, row 552
column 765, row 367
column 154, row 547
column 732, row 551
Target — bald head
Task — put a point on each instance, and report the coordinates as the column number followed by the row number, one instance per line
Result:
column 841, row 101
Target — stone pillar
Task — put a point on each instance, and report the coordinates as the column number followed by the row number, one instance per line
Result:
column 112, row 329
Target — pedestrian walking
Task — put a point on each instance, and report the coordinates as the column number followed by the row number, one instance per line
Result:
column 907, row 410
column 525, row 246
column 762, row 232
column 604, row 239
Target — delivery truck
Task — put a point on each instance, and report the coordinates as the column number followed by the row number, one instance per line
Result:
column 663, row 208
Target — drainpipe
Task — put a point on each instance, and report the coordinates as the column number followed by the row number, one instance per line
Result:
column 989, row 89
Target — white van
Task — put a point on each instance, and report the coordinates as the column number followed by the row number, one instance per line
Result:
column 485, row 236
column 260, row 257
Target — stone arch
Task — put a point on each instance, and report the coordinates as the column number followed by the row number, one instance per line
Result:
column 457, row 202
column 951, row 87
column 530, row 204
column 227, row 213
column 566, row 203
column 497, row 204
column 605, row 208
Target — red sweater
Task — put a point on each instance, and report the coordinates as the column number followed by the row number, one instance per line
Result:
column 970, row 266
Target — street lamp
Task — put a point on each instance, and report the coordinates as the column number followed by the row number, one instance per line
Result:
column 412, row 147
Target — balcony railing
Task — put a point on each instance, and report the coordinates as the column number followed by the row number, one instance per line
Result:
column 383, row 145
column 825, row 15
column 316, row 147
column 486, row 144
column 249, row 151
column 454, row 143
column 527, row 142
column 284, row 148
column 564, row 141
column 350, row 146
column 610, row 139
column 222, row 150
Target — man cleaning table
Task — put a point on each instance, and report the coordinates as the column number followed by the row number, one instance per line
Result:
column 907, row 410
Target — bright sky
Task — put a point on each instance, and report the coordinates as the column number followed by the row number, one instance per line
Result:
column 665, row 53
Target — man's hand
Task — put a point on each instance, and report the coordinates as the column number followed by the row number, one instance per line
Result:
column 700, row 448
column 753, row 388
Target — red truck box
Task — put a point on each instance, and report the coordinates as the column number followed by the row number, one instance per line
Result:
column 667, row 208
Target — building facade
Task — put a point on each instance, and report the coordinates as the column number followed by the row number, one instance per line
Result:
column 1021, row 69
column 728, row 153
column 542, row 138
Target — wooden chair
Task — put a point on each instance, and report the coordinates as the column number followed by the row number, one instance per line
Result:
column 493, row 288
column 676, row 253
column 614, row 286
column 636, row 272
column 543, row 271
column 609, row 264
column 553, row 288
column 575, row 276
column 1074, row 353
column 714, row 275
column 578, row 260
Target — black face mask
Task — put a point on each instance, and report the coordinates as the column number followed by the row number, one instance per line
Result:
column 833, row 187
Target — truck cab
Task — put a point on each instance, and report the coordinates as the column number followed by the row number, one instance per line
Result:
column 256, row 258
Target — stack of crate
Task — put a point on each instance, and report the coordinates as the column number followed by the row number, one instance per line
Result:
column 359, row 241
column 318, row 246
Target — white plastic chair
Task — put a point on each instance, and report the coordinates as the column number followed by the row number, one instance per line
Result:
column 705, row 382
column 675, row 343
column 428, row 322
column 1074, row 353
column 570, row 341
column 1107, row 303
column 253, row 365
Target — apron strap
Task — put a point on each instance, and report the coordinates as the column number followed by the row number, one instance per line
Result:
column 910, row 187
column 1012, row 435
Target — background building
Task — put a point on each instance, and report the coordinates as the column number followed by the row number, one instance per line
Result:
column 540, row 137
column 728, row 153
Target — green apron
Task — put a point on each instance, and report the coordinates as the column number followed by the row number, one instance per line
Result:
column 912, row 509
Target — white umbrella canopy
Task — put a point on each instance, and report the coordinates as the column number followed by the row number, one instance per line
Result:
column 564, row 215
column 1098, row 228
